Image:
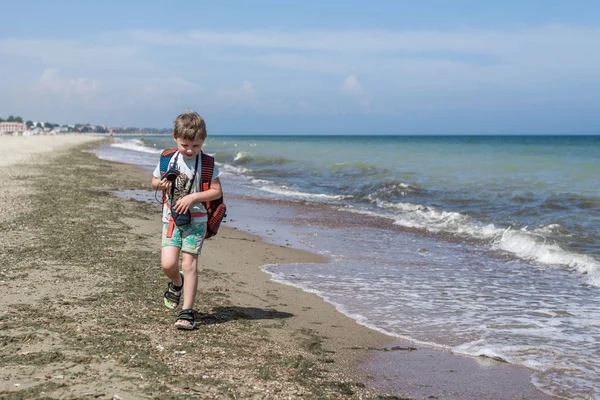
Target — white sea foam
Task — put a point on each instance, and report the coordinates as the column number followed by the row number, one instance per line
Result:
column 530, row 246
column 359, row 318
column 552, row 228
column 433, row 220
column 525, row 244
column 508, row 353
column 135, row 145
column 290, row 193
column 240, row 155
column 232, row 169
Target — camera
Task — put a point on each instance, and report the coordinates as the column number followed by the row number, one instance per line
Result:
column 171, row 175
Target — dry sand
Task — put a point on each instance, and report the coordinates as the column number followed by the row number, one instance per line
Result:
column 14, row 149
column 82, row 313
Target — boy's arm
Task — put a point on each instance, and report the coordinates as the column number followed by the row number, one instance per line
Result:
column 185, row 202
column 213, row 193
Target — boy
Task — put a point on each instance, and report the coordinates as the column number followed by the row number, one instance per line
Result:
column 184, row 194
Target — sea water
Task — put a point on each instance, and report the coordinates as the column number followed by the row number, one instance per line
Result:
column 483, row 245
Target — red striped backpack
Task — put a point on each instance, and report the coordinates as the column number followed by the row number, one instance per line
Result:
column 216, row 209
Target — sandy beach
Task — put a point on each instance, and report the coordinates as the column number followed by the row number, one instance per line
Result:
column 83, row 314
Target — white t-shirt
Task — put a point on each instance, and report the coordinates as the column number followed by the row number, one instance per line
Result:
column 182, row 184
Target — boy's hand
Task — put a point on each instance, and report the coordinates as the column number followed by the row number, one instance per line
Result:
column 183, row 204
column 164, row 184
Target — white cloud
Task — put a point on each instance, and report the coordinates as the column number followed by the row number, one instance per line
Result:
column 57, row 53
column 352, row 86
column 53, row 83
column 244, row 96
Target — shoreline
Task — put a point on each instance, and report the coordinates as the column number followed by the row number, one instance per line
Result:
column 402, row 367
column 256, row 337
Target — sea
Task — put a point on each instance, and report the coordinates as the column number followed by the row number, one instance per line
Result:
column 485, row 246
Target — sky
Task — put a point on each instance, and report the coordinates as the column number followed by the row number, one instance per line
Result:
column 313, row 67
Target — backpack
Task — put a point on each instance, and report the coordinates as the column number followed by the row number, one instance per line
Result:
column 215, row 209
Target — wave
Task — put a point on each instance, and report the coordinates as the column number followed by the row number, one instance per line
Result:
column 358, row 165
column 231, row 169
column 570, row 201
column 135, row 145
column 241, row 155
column 251, row 160
column 285, row 191
column 560, row 202
column 434, row 220
column 357, row 170
column 534, row 245
column 389, row 191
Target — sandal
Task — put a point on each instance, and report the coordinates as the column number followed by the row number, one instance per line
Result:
column 173, row 294
column 186, row 320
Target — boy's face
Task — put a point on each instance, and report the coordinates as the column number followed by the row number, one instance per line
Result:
column 189, row 148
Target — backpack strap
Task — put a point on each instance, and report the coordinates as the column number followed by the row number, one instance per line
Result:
column 215, row 209
column 165, row 159
column 206, row 174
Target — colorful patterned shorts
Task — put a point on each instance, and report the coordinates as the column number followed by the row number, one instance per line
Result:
column 189, row 237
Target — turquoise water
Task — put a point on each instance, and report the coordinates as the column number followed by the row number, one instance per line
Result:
column 453, row 185
column 485, row 246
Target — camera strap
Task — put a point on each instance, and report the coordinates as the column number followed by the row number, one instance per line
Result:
column 193, row 176
column 177, row 219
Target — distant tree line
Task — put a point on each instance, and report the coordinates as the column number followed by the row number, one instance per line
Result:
column 12, row 118
column 30, row 124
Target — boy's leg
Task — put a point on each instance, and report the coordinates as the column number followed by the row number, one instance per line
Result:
column 191, row 246
column 192, row 240
column 189, row 264
column 169, row 262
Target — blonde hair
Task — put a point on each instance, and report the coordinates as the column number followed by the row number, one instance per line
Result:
column 189, row 126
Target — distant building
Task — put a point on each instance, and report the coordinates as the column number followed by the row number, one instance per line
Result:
column 12, row 127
